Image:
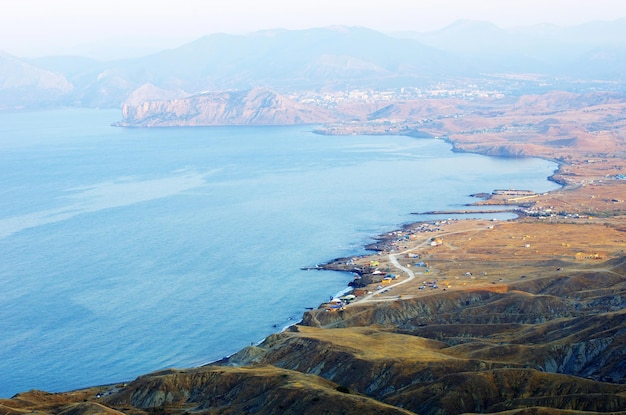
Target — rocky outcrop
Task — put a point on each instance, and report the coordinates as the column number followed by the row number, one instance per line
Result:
column 258, row 106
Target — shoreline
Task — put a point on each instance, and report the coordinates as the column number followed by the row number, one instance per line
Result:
column 477, row 298
column 331, row 265
column 344, row 264
column 386, row 237
column 328, row 265
column 298, row 313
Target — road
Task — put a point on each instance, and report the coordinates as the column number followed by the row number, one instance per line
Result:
column 408, row 271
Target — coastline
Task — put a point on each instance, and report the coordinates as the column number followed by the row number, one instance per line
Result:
column 338, row 265
column 383, row 243
column 343, row 264
column 346, row 264
column 557, row 268
column 332, row 282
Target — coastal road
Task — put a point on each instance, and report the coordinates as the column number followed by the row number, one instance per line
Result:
column 397, row 265
column 408, row 271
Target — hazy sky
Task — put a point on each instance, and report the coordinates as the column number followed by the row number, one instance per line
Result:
column 43, row 27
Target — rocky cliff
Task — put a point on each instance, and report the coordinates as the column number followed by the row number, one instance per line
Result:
column 258, row 106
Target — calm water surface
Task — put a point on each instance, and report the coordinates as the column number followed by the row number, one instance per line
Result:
column 126, row 251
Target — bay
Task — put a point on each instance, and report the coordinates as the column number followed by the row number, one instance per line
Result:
column 126, row 251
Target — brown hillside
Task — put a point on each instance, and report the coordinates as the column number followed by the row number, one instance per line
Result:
column 225, row 390
column 494, row 391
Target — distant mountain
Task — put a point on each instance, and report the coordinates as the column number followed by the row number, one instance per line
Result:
column 68, row 66
column 22, row 83
column 333, row 58
column 60, row 81
column 298, row 59
column 337, row 57
column 258, row 106
column 545, row 48
column 601, row 63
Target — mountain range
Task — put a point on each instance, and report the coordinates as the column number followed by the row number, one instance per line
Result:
column 331, row 58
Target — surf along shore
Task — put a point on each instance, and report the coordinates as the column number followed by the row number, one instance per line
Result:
column 448, row 316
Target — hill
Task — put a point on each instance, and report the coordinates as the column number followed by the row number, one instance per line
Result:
column 255, row 107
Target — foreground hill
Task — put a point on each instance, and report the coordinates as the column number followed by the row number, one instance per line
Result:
column 534, row 337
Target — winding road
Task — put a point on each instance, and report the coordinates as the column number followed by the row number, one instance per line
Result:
column 408, row 271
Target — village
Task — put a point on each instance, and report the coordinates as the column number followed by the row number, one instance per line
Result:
column 468, row 253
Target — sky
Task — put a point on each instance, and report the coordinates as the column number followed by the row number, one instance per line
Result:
column 31, row 28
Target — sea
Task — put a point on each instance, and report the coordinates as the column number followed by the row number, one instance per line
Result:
column 130, row 250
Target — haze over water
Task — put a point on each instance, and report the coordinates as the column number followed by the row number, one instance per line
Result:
column 126, row 251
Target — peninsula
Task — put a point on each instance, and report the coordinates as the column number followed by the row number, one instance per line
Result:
column 526, row 316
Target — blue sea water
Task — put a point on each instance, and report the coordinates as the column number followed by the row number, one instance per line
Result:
column 125, row 251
